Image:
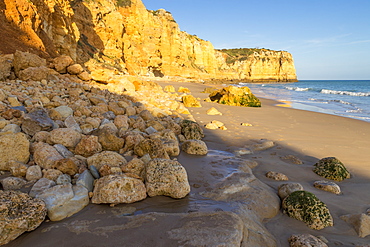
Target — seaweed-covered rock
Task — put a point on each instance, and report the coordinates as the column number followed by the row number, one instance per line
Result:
column 331, row 168
column 191, row 130
column 237, row 96
column 19, row 213
column 306, row 207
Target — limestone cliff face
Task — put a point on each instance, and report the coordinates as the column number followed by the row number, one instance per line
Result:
column 123, row 35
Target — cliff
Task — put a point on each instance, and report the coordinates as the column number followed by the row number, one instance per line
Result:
column 126, row 37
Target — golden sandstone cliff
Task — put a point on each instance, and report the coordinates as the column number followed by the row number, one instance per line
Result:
column 126, row 37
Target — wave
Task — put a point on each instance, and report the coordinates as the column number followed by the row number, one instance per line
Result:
column 299, row 89
column 361, row 94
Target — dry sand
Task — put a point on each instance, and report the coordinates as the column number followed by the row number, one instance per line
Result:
column 308, row 135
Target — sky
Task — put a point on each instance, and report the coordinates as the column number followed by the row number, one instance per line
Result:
column 329, row 39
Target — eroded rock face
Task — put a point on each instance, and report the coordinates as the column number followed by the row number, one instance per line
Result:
column 331, row 168
column 19, row 213
column 237, row 96
column 166, row 177
column 118, row 189
column 306, row 207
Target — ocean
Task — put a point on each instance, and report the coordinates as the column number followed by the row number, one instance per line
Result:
column 347, row 98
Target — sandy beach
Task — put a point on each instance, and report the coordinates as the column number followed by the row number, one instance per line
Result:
column 307, row 135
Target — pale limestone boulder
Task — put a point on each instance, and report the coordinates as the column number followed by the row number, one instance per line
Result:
column 36, row 121
column 19, row 213
column 45, row 155
column 153, row 147
column 135, row 166
column 110, row 158
column 361, row 223
column 88, row 146
column 13, row 146
column 285, row 190
column 305, row 240
column 68, row 137
column 24, row 60
column 64, row 111
column 33, row 173
column 61, row 63
column 64, row 200
column 196, row 147
column 75, row 69
column 35, row 73
column 277, row 176
column 41, row 185
column 190, row 101
column 327, row 186
column 118, row 189
column 166, row 177
column 213, row 111
column 13, row 183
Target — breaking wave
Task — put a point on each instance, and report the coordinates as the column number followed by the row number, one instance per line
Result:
column 299, row 89
column 361, row 94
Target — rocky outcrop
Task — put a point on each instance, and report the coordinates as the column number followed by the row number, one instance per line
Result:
column 237, row 96
column 127, row 38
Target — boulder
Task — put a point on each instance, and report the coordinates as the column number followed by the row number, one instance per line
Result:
column 61, row 63
column 64, row 111
column 19, row 213
column 17, row 169
column 14, row 128
column 213, row 111
column 36, row 121
column 70, row 122
column 305, row 240
column 361, row 223
column 24, row 60
column 277, row 176
column 64, row 200
column 331, row 168
column 236, row 96
column 118, row 189
column 109, row 140
column 35, row 73
column 88, row 146
column 68, row 137
column 6, row 64
column 135, row 166
column 196, row 147
column 110, row 158
column 75, row 69
column 190, row 101
column 51, row 174
column 87, row 180
column 64, row 179
column 191, row 130
column 285, row 190
column 13, row 146
column 33, row 173
column 41, row 185
column 306, row 207
column 327, row 186
column 45, row 155
column 166, row 177
column 153, row 147
column 13, row 183
column 67, row 166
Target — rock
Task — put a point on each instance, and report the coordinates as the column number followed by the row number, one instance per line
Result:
column 62, row 150
column 61, row 63
column 110, row 158
column 331, row 168
column 75, row 69
column 171, row 147
column 246, row 124
column 291, row 159
column 135, row 166
column 191, row 130
column 306, row 207
column 51, row 174
column 132, row 139
column 166, row 177
column 14, row 128
column 183, row 90
column 36, row 121
column 213, row 111
column 70, row 122
column 285, row 190
column 88, row 146
column 17, row 169
column 33, row 173
column 68, row 137
column 196, row 147
column 262, row 145
column 19, row 213
column 24, row 60
column 169, row 89
column 153, row 147
column 121, row 121
column 85, row 76
column 13, row 147
column 361, row 223
column 190, row 101
column 41, row 185
column 237, row 96
column 64, row 179
column 13, row 183
column 106, row 170
column 45, row 155
column 6, row 64
column 67, row 166
column 35, row 73
column 109, row 140
column 277, row 176
column 64, row 200
column 87, row 180
column 214, row 124
column 305, row 240
column 64, row 111
column 327, row 186
column 118, row 189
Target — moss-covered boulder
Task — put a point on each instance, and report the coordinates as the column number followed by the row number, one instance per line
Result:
column 237, row 96
column 191, row 130
column 331, row 168
column 306, row 207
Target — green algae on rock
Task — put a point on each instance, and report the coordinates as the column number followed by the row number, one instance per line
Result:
column 331, row 168
column 306, row 207
column 237, row 96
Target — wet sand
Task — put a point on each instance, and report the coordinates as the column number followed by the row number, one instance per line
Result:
column 309, row 136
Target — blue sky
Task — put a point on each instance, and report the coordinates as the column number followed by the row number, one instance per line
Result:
column 329, row 39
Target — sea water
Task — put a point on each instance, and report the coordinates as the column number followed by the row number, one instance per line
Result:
column 347, row 98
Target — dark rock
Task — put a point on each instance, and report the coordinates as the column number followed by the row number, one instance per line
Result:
column 37, row 120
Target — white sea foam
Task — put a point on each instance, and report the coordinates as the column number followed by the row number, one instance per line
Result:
column 362, row 94
column 299, row 89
